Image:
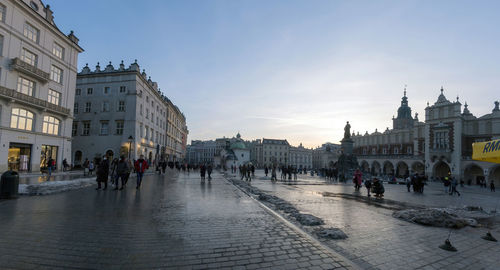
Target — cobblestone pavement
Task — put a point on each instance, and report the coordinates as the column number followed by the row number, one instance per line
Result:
column 379, row 241
column 172, row 222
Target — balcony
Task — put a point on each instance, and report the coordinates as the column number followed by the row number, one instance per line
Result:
column 21, row 66
column 13, row 95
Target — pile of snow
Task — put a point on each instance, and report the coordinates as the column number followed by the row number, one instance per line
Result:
column 443, row 217
column 332, row 233
column 278, row 203
column 307, row 219
column 55, row 186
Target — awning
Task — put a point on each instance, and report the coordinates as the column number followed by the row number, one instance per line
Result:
column 486, row 151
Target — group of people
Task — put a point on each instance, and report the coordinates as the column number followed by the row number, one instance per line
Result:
column 247, row 171
column 204, row 169
column 417, row 182
column 373, row 185
column 118, row 169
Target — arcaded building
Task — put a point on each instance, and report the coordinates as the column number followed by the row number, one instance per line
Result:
column 440, row 146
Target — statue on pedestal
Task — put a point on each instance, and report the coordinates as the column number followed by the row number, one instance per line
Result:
column 347, row 131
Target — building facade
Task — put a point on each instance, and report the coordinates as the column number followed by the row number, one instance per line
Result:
column 275, row 152
column 301, row 157
column 440, row 146
column 325, row 156
column 38, row 66
column 123, row 112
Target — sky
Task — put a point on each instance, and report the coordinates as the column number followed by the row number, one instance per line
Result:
column 296, row 70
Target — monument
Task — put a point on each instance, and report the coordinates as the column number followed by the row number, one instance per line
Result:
column 347, row 162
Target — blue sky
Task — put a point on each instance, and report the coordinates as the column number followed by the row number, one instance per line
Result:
column 296, row 69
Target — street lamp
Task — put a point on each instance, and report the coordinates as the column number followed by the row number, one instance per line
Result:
column 130, row 140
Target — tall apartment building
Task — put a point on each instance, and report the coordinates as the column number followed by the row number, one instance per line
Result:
column 275, row 152
column 38, row 66
column 123, row 112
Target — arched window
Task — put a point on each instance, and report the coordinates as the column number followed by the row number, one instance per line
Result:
column 50, row 125
column 21, row 119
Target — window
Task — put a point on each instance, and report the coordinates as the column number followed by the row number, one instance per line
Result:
column 147, row 99
column 56, row 74
column 21, row 119
column 25, row 86
column 140, row 109
column 408, row 150
column 2, row 12
column 90, row 91
column 75, row 108
column 29, row 57
column 441, row 140
column 54, row 97
column 119, row 127
column 396, row 150
column 31, row 32
column 141, row 130
column 58, row 51
column 86, row 128
column 50, row 125
column 74, row 129
column 147, row 113
column 78, row 91
column 121, row 106
column 105, row 106
column 88, row 106
column 123, row 89
column 106, row 90
column 146, row 135
column 104, row 128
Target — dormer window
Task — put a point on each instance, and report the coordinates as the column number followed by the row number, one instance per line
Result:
column 34, row 6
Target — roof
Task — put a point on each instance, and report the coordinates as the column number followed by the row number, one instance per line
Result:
column 238, row 145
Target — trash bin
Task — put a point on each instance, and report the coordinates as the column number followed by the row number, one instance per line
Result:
column 9, row 185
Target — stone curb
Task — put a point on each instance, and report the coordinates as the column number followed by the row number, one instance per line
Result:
column 294, row 227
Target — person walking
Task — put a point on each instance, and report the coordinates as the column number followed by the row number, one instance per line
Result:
column 102, row 173
column 295, row 174
column 273, row 174
column 249, row 173
column 358, row 179
column 140, row 166
column 65, row 165
column 266, row 170
column 243, row 170
column 209, row 172
column 121, row 172
column 49, row 166
column 454, row 184
column 492, row 186
column 202, row 172
column 91, row 167
column 252, row 168
column 408, row 183
column 86, row 167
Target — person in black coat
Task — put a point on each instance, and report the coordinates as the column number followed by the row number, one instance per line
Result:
column 102, row 173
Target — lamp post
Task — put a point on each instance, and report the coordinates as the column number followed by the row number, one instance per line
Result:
column 130, row 140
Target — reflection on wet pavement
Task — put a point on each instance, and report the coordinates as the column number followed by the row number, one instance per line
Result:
column 376, row 239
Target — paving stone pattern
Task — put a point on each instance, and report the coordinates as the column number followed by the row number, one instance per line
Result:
column 173, row 222
column 376, row 240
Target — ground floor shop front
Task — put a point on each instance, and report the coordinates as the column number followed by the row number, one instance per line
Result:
column 31, row 152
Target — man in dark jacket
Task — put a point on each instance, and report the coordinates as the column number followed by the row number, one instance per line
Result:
column 122, row 171
column 102, row 173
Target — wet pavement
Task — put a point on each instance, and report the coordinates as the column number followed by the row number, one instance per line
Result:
column 171, row 222
column 376, row 240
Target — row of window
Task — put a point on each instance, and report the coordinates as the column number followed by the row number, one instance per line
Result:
column 385, row 151
column 105, row 107
column 23, row 119
column 27, row 87
column 103, row 128
column 106, row 90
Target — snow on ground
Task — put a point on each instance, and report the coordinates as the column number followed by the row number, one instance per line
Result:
column 55, row 186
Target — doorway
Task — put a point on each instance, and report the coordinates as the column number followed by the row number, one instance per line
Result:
column 48, row 152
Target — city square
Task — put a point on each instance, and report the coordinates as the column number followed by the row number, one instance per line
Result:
column 249, row 134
